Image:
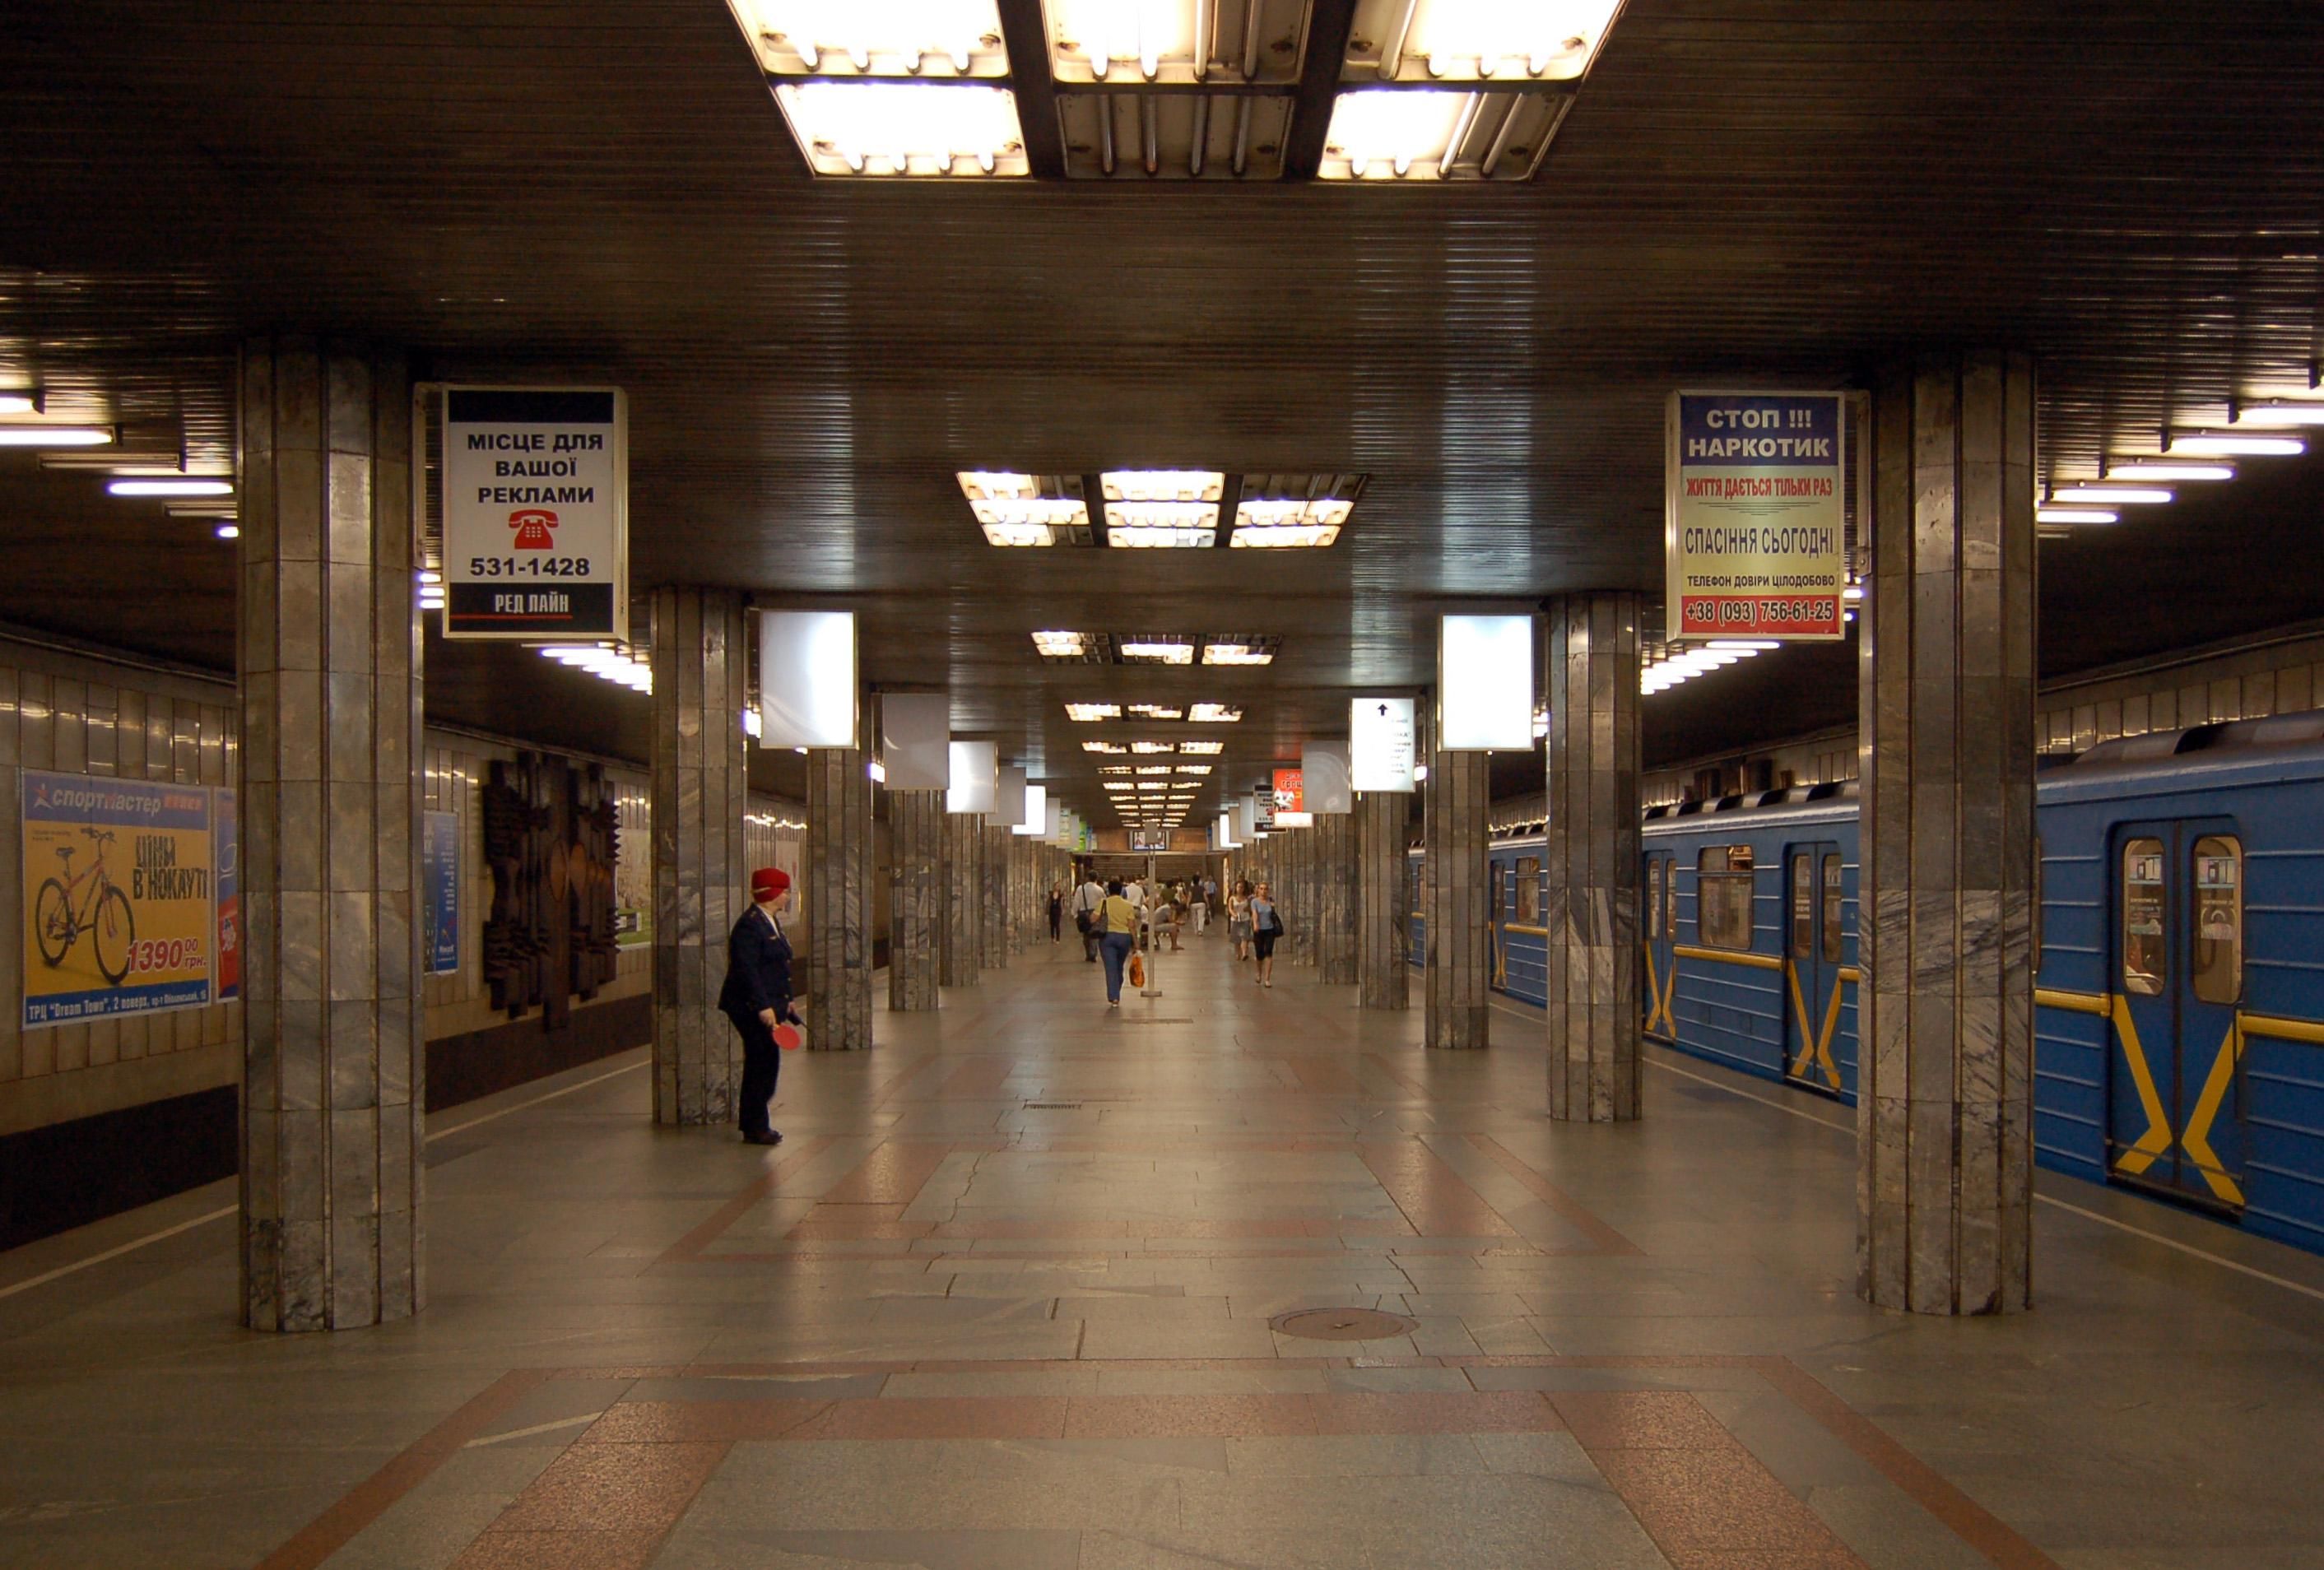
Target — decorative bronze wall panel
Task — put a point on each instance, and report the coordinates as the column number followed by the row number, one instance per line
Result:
column 330, row 682
column 700, row 792
column 1383, row 944
column 1591, row 676
column 1944, row 1115
column 1457, row 900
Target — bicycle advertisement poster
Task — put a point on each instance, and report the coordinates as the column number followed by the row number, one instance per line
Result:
column 120, row 894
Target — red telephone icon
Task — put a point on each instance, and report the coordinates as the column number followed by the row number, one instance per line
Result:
column 532, row 525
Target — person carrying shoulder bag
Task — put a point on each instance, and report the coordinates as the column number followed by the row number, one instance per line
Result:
column 1118, row 918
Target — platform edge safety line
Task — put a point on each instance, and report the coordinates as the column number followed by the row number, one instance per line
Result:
column 371, row 1499
column 1962, row 1516
column 1568, row 1209
column 690, row 1246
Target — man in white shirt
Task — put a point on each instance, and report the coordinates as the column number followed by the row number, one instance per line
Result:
column 1089, row 899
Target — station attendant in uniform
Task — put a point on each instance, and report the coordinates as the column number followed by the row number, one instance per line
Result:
column 757, row 997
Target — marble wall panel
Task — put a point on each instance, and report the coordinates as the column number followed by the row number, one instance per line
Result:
column 1000, row 937
column 1383, row 947
column 915, row 903
column 1335, row 897
column 1456, row 901
column 961, row 957
column 837, row 963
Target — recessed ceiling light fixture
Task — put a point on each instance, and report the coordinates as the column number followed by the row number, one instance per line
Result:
column 1103, row 747
column 1074, row 648
column 1087, row 713
column 55, row 436
column 1158, row 650
column 924, row 39
column 1025, row 510
column 1152, row 747
column 1214, row 713
column 905, row 130
column 2145, row 469
column 1201, row 749
column 1162, row 508
column 2045, row 514
column 2280, row 413
column 1156, row 711
column 2219, row 444
column 20, row 402
column 170, row 487
column 2112, row 494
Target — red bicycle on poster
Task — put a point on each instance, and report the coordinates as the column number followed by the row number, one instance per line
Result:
column 105, row 915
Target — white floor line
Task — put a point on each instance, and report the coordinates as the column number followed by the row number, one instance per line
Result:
column 536, row 1429
column 2103, row 1220
column 131, row 1246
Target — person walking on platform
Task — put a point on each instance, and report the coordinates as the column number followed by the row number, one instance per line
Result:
column 1119, row 918
column 1056, row 912
column 1266, row 926
column 1087, row 900
column 757, row 996
column 1239, row 919
column 1198, row 903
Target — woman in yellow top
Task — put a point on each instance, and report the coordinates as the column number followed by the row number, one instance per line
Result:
column 1117, row 919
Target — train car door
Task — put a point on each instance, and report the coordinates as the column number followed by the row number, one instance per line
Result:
column 1812, row 892
column 1661, row 928
column 2174, row 1114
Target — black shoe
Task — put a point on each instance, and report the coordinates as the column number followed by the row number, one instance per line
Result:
column 769, row 1138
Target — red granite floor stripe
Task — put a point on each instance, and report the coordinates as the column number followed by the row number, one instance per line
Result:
column 691, row 1245
column 1433, row 1196
column 894, row 1173
column 978, row 1079
column 893, row 1086
column 1569, row 1210
column 937, row 1417
column 369, row 1500
column 1387, row 1066
column 667, row 1422
column 605, row 1505
column 1324, row 1076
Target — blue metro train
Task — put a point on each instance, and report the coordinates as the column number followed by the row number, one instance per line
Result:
column 2180, row 995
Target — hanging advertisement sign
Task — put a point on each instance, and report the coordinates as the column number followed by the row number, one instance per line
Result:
column 1262, row 809
column 1288, row 795
column 1380, row 745
column 227, row 857
column 120, row 897
column 1324, row 777
column 1755, row 516
column 536, row 512
column 1484, row 683
column 439, row 880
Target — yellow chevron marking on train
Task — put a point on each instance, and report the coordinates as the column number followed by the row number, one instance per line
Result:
column 1659, row 992
column 1500, row 958
column 1816, row 1053
column 1823, row 1042
column 2156, row 1139
column 2196, row 1139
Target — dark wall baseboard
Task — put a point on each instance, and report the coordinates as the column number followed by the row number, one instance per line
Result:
column 461, row 1068
column 70, row 1174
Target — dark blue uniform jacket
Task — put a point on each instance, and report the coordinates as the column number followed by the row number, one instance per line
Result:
column 757, row 969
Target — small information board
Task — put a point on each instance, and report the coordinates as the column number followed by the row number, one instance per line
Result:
column 1755, row 516
column 536, row 513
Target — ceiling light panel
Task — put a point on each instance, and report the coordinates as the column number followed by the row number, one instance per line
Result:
column 1089, row 713
column 1151, row 768
column 1439, row 134
column 1103, row 747
column 1152, row 747
column 1201, row 749
column 1162, row 508
column 1195, row 768
column 1113, row 133
column 1214, row 713
column 1294, row 510
column 923, row 130
column 1249, row 649
column 1156, row 649
column 1070, row 648
column 1533, row 41
column 1156, row 711
column 845, row 39
column 1026, row 509
column 1133, row 43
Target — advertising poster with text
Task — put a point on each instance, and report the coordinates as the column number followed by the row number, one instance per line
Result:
column 1756, row 516
column 536, row 512
column 228, row 854
column 120, row 897
column 439, row 880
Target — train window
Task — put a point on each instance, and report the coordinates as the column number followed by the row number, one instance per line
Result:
column 1831, row 898
column 2142, row 908
column 1803, row 893
column 2219, row 918
column 1528, row 888
column 1670, row 896
column 1722, row 897
column 1654, row 896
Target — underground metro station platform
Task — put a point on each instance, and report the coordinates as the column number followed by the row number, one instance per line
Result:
column 1098, row 783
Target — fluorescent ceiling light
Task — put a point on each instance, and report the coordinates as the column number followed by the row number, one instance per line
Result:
column 1295, row 537
column 1283, row 512
column 882, row 38
column 905, row 129
column 2076, row 515
column 1149, row 748
column 2129, row 495
column 1145, row 785
column 55, row 436
column 1156, row 711
column 1153, row 768
column 1164, row 486
column 1507, row 42
column 234, row 531
column 1388, row 133
column 1084, row 712
column 188, row 488
column 1196, row 769
column 1214, row 713
column 1061, row 645
column 1164, row 525
column 1236, row 654
column 1103, row 747
column 1743, row 645
column 1201, row 749
column 2164, row 469
column 1115, row 769
column 19, row 404
column 1130, row 41
column 2279, row 414
column 2214, row 444
column 1012, row 511
column 1159, row 651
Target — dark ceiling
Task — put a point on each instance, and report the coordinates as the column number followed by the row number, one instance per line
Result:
column 1747, row 191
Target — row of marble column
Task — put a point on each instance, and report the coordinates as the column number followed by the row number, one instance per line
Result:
column 330, row 713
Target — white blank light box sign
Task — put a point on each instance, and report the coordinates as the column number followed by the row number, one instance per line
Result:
column 806, row 678
column 1008, row 802
column 1323, row 770
column 1036, row 811
column 975, row 777
column 1380, row 745
column 1484, row 684
column 915, row 740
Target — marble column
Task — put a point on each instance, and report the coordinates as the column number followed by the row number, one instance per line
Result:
column 1383, row 940
column 1944, row 1117
column 1335, row 898
column 328, row 651
column 835, row 858
column 1456, row 900
column 1591, row 675
column 960, row 958
column 700, row 791
column 1301, row 895
column 915, row 903
column 999, row 938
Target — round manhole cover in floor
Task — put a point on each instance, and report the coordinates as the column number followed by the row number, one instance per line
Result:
column 1343, row 1325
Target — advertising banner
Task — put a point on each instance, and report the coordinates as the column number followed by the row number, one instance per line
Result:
column 1288, row 795
column 1324, row 777
column 1755, row 516
column 1380, row 745
column 226, row 833
column 120, row 897
column 439, row 880
column 1484, row 683
column 536, row 512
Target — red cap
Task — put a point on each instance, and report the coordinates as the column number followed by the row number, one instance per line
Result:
column 768, row 882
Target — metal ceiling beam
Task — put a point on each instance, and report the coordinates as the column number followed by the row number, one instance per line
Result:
column 1025, row 34
column 1329, row 23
